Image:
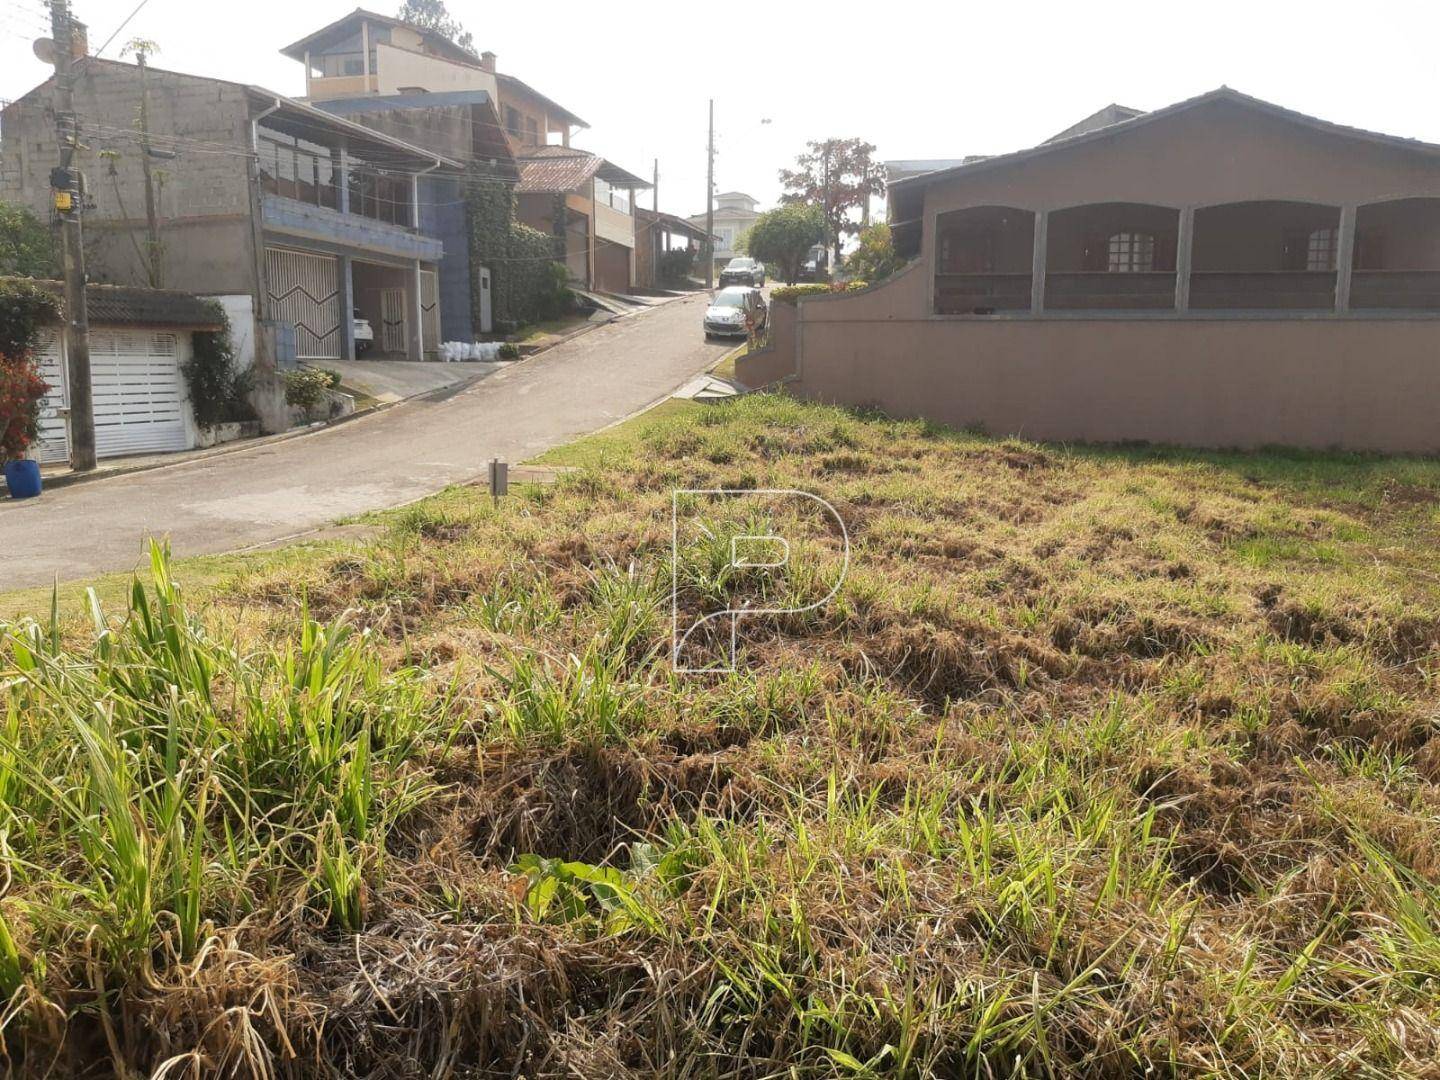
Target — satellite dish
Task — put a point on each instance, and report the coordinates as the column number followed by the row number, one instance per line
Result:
column 44, row 49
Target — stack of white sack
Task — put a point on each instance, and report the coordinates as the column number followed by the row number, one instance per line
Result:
column 457, row 352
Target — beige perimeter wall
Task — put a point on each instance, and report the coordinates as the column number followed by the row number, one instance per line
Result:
column 1365, row 384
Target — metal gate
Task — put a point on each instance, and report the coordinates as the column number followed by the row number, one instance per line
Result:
column 429, row 312
column 137, row 391
column 304, row 291
column 54, row 442
column 394, row 332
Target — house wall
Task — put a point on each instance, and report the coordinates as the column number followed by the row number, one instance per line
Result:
column 612, row 225
column 1204, row 379
column 203, row 197
column 442, row 215
column 1362, row 384
column 400, row 69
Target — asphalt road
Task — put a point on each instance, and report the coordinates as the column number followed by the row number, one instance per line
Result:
column 286, row 488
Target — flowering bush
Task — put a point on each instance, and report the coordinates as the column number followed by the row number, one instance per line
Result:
column 24, row 309
column 21, row 389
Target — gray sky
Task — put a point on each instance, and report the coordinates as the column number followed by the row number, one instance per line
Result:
column 917, row 79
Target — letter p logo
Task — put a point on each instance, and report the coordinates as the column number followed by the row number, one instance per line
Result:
column 740, row 556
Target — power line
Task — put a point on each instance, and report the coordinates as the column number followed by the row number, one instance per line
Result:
column 122, row 26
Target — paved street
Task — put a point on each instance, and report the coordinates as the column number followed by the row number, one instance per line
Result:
column 286, row 488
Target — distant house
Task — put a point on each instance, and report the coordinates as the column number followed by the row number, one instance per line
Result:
column 418, row 85
column 586, row 204
column 734, row 214
column 1221, row 272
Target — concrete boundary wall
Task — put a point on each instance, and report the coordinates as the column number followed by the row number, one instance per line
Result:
column 1352, row 383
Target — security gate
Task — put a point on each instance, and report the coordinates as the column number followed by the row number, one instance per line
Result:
column 394, row 326
column 429, row 312
column 54, row 443
column 304, row 291
column 137, row 391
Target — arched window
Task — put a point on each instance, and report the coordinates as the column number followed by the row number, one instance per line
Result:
column 1131, row 253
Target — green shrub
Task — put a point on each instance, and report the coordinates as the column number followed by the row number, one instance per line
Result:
column 675, row 265
column 27, row 247
column 509, row 351
column 789, row 294
column 305, row 388
column 219, row 392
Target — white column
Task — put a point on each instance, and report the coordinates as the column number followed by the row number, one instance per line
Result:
column 1345, row 258
column 342, row 170
column 417, row 312
column 1184, row 248
column 415, row 201
column 1037, row 262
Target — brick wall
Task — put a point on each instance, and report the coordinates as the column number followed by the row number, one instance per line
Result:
column 203, row 195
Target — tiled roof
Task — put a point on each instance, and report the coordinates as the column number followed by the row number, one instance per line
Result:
column 1108, row 130
column 556, row 168
column 126, row 305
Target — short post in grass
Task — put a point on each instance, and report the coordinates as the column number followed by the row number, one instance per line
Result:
column 499, row 480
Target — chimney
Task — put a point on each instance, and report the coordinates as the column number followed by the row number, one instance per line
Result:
column 487, row 62
column 79, row 40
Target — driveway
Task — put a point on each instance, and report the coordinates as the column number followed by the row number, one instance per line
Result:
column 287, row 488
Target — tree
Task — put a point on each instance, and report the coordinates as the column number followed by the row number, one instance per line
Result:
column 433, row 15
column 784, row 236
column 875, row 258
column 26, row 246
column 838, row 176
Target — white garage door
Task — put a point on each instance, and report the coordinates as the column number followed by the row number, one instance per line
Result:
column 138, row 391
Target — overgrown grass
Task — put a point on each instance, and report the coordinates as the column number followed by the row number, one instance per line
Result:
column 1100, row 763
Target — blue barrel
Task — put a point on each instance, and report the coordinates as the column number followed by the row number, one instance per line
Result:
column 22, row 478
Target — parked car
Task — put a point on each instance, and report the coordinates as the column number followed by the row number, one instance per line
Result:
column 364, row 333
column 743, row 271
column 734, row 312
column 816, row 264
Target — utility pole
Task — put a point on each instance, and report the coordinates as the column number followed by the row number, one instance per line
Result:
column 69, row 198
column 152, row 219
column 710, row 204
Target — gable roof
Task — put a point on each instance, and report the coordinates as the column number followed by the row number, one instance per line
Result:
column 1222, row 94
column 563, row 168
column 340, row 28
column 559, row 111
column 1110, row 114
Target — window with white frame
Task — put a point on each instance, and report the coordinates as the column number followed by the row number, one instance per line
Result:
column 1320, row 249
column 1131, row 253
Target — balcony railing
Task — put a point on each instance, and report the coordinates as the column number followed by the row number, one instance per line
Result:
column 981, row 294
column 1262, row 290
column 1100, row 290
column 1402, row 290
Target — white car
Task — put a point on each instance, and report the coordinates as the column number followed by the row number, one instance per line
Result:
column 734, row 311
column 364, row 333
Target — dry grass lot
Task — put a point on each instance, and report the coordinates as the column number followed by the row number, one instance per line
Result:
column 1104, row 762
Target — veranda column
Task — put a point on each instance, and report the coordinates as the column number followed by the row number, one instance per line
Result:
column 1184, row 246
column 1345, row 258
column 417, row 316
column 1037, row 262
